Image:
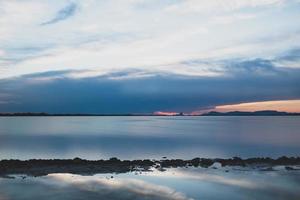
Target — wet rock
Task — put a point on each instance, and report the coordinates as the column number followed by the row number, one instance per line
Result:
column 38, row 167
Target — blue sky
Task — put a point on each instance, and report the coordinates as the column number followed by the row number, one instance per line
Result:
column 144, row 56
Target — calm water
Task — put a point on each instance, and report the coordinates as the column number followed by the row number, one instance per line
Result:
column 148, row 137
column 153, row 137
column 174, row 184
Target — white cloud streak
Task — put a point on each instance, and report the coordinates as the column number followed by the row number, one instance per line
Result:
column 157, row 36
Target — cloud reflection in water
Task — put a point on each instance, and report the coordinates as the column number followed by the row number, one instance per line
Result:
column 176, row 184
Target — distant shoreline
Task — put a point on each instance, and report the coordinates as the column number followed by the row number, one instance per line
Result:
column 38, row 167
column 212, row 113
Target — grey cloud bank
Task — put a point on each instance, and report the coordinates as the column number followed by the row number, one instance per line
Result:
column 134, row 91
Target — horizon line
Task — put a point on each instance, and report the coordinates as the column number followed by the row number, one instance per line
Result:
column 210, row 113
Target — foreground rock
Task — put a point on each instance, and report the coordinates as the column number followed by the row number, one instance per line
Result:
column 87, row 167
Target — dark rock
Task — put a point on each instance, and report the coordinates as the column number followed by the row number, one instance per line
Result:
column 37, row 167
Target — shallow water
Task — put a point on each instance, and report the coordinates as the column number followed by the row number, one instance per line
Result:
column 176, row 184
column 148, row 137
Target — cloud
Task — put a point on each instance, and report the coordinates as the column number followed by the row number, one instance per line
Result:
column 111, row 35
column 62, row 14
column 290, row 59
column 286, row 106
column 219, row 6
column 138, row 91
column 117, row 46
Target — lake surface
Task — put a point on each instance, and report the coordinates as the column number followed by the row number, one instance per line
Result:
column 153, row 137
column 148, row 137
column 173, row 184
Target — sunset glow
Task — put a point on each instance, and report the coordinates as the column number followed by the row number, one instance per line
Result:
column 165, row 113
column 284, row 105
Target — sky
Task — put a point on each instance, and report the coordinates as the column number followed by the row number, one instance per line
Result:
column 138, row 56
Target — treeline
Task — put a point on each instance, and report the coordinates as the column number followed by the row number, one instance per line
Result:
column 63, row 114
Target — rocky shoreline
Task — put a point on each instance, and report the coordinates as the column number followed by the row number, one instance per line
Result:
column 39, row 167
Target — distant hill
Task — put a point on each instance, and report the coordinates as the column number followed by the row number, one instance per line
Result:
column 255, row 113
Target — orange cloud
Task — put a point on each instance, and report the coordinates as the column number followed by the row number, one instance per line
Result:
column 165, row 113
column 283, row 105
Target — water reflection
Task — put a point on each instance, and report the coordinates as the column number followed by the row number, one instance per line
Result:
column 177, row 184
column 67, row 186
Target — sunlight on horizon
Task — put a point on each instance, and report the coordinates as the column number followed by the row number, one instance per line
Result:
column 282, row 105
